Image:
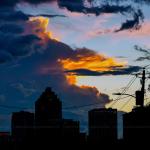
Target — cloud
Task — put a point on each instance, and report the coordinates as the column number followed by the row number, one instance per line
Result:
column 18, row 31
column 47, row 15
column 78, row 6
column 33, row 40
column 116, row 71
column 135, row 23
column 24, row 46
column 2, row 98
column 11, row 28
column 144, row 31
column 73, row 6
column 26, row 91
column 46, row 59
column 88, row 59
column 14, row 2
column 5, row 57
column 8, row 14
column 145, row 51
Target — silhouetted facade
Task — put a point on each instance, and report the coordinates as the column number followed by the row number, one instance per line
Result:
column 102, row 125
column 70, row 131
column 22, row 125
column 4, row 136
column 5, row 140
column 48, row 108
column 136, row 125
column 48, row 117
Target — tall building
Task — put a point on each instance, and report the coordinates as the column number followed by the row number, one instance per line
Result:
column 102, row 125
column 48, row 117
column 48, row 108
column 22, row 124
column 136, row 125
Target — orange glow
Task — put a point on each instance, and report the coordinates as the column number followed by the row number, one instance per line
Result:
column 90, row 61
column 94, row 63
column 40, row 25
column 71, row 79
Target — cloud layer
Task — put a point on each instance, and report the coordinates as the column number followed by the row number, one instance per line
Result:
column 144, row 51
column 34, row 42
column 25, row 40
column 95, row 7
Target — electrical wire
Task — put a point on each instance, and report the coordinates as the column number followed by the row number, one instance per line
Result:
column 126, row 103
column 124, row 91
column 81, row 106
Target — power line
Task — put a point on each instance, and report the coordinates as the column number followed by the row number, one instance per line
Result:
column 81, row 106
column 71, row 107
column 76, row 107
column 124, row 91
column 147, row 66
column 126, row 103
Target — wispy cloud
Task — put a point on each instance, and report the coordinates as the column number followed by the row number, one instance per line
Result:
column 26, row 91
column 144, row 51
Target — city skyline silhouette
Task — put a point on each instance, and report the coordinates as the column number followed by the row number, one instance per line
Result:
column 74, row 72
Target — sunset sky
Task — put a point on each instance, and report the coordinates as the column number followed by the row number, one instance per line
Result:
column 84, row 49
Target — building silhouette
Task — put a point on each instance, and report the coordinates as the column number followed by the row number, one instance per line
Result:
column 48, row 117
column 5, row 140
column 22, row 125
column 48, row 108
column 4, row 136
column 70, row 131
column 22, row 131
column 47, row 128
column 136, row 125
column 102, row 125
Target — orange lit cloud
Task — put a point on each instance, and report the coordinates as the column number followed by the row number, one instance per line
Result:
column 71, row 79
column 89, row 60
column 94, row 63
column 39, row 26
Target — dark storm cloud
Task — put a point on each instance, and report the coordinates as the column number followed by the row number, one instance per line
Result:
column 145, row 51
column 116, row 71
column 35, row 44
column 134, row 23
column 5, row 57
column 106, row 7
column 43, row 55
column 9, row 14
column 13, row 42
column 13, row 47
column 23, row 45
column 78, row 6
column 11, row 28
column 14, row 2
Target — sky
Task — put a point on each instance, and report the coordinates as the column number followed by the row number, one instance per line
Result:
column 86, row 50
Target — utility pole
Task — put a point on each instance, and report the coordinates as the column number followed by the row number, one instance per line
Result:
column 140, row 94
column 143, row 88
